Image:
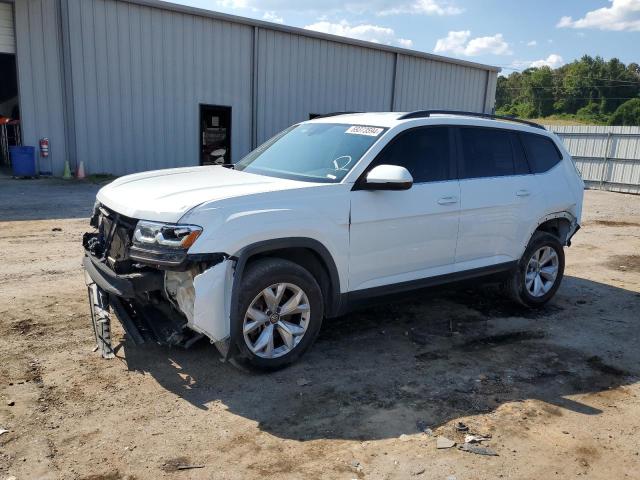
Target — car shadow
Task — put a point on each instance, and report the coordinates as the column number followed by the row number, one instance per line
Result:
column 448, row 353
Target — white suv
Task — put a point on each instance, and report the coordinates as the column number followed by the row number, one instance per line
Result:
column 324, row 217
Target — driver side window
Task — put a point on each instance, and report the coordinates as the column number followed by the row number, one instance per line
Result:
column 424, row 151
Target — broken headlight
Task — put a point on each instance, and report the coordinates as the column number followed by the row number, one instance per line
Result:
column 162, row 243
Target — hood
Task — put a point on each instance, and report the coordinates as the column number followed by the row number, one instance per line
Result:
column 166, row 195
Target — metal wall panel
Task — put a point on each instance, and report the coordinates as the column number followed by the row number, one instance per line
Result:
column 607, row 157
column 123, row 80
column 40, row 77
column 7, row 37
column 298, row 75
column 138, row 77
column 425, row 84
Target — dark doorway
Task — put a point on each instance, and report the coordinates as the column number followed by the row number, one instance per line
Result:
column 215, row 135
column 9, row 109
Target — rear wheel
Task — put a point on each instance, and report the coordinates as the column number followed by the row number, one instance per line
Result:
column 279, row 313
column 539, row 272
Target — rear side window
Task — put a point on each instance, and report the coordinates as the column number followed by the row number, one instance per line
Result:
column 486, row 152
column 519, row 159
column 425, row 152
column 542, row 153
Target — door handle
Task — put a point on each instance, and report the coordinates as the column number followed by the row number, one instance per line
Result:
column 447, row 200
column 523, row 193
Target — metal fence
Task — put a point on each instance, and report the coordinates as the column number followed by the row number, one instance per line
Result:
column 608, row 158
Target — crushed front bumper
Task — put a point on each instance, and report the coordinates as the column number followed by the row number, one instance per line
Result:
column 149, row 312
column 136, row 299
column 127, row 285
column 169, row 304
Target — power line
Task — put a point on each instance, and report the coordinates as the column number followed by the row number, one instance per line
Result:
column 601, row 98
column 560, row 87
column 564, row 75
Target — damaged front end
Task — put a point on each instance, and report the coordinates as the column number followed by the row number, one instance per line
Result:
column 142, row 272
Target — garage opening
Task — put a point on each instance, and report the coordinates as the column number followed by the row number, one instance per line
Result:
column 215, row 135
column 9, row 108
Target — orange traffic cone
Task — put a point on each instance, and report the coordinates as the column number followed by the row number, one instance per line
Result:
column 80, row 173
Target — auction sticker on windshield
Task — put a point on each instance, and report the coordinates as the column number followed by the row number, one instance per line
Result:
column 362, row 130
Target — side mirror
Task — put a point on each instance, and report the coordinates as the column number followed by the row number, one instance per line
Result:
column 388, row 177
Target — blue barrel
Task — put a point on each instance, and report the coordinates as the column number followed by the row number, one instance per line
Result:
column 23, row 161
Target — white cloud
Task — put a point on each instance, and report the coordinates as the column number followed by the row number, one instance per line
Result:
column 368, row 32
column 621, row 15
column 271, row 16
column 359, row 7
column 461, row 43
column 554, row 61
column 422, row 7
column 532, row 43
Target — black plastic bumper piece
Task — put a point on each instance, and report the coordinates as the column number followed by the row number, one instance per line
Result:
column 125, row 286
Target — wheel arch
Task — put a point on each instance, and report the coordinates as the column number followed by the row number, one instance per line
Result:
column 306, row 252
column 563, row 225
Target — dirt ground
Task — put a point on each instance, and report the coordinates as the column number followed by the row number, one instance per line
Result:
column 557, row 389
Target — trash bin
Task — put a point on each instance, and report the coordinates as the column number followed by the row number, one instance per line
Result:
column 23, row 161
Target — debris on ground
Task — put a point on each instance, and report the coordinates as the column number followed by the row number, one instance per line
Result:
column 423, row 427
column 444, row 442
column 188, row 467
column 3, row 431
column 461, row 427
column 11, row 403
column 467, row 447
column 56, row 229
column 303, row 382
column 476, row 438
column 179, row 463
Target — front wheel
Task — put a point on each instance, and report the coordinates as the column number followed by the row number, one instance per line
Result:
column 279, row 313
column 539, row 271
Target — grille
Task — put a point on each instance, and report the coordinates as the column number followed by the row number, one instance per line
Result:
column 115, row 234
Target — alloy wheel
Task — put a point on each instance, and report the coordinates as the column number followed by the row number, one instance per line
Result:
column 542, row 271
column 276, row 320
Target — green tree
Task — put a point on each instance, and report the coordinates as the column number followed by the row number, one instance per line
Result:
column 589, row 88
column 627, row 114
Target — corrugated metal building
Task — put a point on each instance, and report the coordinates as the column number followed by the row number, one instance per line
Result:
column 130, row 85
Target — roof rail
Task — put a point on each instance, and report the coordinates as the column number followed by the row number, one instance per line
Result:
column 333, row 114
column 428, row 113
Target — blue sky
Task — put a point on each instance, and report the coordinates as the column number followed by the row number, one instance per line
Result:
column 513, row 34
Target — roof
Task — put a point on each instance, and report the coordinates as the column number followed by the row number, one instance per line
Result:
column 392, row 119
column 307, row 33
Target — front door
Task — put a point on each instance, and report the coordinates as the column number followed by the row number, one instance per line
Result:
column 400, row 236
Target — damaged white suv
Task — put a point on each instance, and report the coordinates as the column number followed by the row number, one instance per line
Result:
column 325, row 216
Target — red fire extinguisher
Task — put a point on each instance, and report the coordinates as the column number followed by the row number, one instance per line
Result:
column 45, row 167
column 44, row 147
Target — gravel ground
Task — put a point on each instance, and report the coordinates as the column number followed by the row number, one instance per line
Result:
column 557, row 389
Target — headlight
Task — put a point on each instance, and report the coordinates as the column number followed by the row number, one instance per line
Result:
column 162, row 243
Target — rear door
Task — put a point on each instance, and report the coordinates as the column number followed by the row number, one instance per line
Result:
column 545, row 161
column 498, row 197
column 400, row 236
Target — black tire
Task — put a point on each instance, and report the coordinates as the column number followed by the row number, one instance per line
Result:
column 260, row 275
column 515, row 285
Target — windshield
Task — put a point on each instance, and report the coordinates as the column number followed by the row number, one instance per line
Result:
column 314, row 152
